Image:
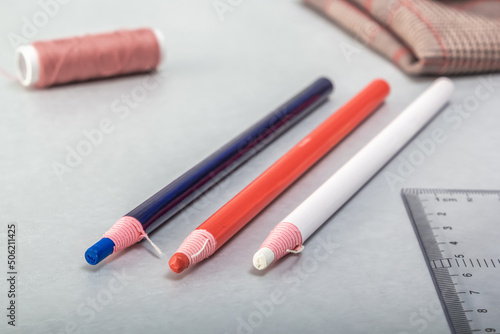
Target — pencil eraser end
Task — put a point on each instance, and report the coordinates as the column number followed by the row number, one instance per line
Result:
column 445, row 82
column 263, row 258
column 327, row 83
column 178, row 262
column 382, row 86
column 101, row 250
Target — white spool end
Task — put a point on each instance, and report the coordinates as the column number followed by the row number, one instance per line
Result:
column 161, row 43
column 27, row 65
column 263, row 258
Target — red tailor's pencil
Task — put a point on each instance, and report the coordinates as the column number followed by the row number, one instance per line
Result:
column 242, row 208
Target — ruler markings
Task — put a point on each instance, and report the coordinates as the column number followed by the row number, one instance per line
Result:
column 446, row 263
column 457, row 210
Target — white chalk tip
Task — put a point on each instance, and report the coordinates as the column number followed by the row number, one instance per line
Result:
column 27, row 65
column 263, row 258
column 161, row 43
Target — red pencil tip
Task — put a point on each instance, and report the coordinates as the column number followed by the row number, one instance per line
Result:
column 178, row 262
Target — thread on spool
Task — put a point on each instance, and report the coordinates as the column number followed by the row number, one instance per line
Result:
column 48, row 63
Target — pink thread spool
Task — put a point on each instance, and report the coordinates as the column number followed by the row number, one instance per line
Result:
column 48, row 63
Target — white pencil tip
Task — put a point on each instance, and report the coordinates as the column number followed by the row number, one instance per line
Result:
column 263, row 258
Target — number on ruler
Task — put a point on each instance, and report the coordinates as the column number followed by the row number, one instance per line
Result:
column 445, row 206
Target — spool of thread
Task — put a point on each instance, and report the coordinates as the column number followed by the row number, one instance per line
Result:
column 48, row 63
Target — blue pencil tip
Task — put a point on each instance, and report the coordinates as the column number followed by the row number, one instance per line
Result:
column 101, row 250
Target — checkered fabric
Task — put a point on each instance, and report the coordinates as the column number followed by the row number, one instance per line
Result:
column 423, row 37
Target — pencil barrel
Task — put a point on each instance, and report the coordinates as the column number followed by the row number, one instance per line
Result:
column 182, row 191
column 257, row 195
column 353, row 175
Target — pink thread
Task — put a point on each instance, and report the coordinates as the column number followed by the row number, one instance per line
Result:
column 283, row 237
column 7, row 74
column 125, row 232
column 97, row 56
column 399, row 53
column 198, row 245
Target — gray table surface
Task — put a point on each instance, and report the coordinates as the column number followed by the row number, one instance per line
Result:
column 223, row 73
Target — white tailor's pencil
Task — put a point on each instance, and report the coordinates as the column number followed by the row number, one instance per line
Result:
column 289, row 235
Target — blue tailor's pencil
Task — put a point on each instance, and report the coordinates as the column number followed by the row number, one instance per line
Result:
column 135, row 225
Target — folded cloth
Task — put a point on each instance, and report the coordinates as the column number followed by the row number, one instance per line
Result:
column 421, row 36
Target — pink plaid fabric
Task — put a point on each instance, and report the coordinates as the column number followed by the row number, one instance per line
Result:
column 422, row 36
